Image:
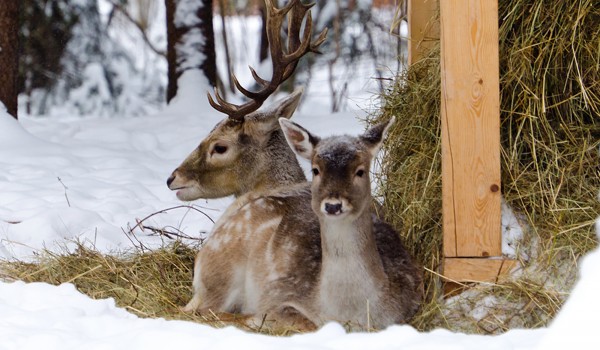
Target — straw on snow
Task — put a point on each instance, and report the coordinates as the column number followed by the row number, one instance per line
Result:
column 550, row 134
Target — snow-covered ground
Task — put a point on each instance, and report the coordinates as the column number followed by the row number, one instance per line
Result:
column 65, row 179
column 89, row 179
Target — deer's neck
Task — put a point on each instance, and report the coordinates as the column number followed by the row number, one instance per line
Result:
column 352, row 272
column 344, row 240
column 280, row 166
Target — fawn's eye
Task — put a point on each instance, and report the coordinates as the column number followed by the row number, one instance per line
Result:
column 220, row 149
column 360, row 173
column 315, row 171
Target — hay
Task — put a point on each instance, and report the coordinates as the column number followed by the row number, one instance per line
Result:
column 550, row 133
column 149, row 283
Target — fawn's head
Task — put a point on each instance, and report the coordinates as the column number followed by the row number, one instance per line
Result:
column 246, row 151
column 341, row 185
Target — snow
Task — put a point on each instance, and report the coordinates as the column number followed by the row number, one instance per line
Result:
column 512, row 232
column 38, row 315
column 185, row 13
column 69, row 179
column 113, row 171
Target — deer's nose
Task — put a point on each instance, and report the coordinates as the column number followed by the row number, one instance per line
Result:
column 170, row 180
column 333, row 209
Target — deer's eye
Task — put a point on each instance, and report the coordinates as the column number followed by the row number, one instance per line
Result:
column 360, row 173
column 219, row 149
column 315, row 171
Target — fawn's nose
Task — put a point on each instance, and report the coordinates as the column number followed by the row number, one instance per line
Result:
column 333, row 208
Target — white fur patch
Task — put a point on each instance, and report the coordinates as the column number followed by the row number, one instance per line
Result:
column 346, row 284
column 235, row 294
column 268, row 224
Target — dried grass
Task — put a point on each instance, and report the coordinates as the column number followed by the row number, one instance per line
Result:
column 550, row 134
column 151, row 284
column 550, row 102
column 148, row 283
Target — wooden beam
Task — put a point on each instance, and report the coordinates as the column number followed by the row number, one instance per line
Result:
column 423, row 29
column 470, row 128
column 476, row 269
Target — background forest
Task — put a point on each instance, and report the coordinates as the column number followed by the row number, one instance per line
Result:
column 113, row 57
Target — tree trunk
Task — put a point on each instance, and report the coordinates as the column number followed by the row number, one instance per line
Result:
column 190, row 41
column 9, row 55
column 264, row 41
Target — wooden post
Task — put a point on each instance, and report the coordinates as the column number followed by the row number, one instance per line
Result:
column 423, row 29
column 471, row 140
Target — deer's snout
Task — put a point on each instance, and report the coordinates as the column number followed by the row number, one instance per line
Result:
column 170, row 180
column 335, row 206
column 174, row 182
column 333, row 209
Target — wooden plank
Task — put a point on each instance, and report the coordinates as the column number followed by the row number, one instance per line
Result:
column 423, row 29
column 477, row 269
column 470, row 128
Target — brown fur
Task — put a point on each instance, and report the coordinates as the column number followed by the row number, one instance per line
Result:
column 257, row 157
column 267, row 257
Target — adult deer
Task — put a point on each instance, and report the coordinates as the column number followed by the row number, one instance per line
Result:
column 302, row 256
column 246, row 152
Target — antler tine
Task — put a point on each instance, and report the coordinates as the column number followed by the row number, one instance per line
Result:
column 295, row 19
column 225, row 104
column 304, row 44
column 215, row 105
column 314, row 46
column 258, row 79
column 284, row 61
column 247, row 93
column 233, row 111
column 297, row 48
column 272, row 10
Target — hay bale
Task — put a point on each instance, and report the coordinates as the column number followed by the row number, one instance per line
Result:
column 550, row 134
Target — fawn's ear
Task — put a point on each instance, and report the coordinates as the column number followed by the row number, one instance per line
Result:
column 299, row 139
column 374, row 137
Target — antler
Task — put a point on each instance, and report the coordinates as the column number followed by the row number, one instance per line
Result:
column 284, row 63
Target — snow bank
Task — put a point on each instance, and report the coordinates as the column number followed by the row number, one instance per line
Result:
column 40, row 316
column 114, row 171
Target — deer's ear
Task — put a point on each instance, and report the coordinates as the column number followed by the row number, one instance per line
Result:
column 299, row 139
column 286, row 108
column 374, row 137
column 263, row 122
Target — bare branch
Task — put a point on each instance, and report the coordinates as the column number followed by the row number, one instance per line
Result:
column 126, row 14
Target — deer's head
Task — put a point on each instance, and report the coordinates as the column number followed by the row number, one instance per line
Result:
column 341, row 185
column 235, row 154
column 246, row 151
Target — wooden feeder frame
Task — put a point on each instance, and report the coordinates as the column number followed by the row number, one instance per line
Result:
column 470, row 114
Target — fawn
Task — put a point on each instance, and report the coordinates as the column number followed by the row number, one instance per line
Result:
column 367, row 277
column 307, row 254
